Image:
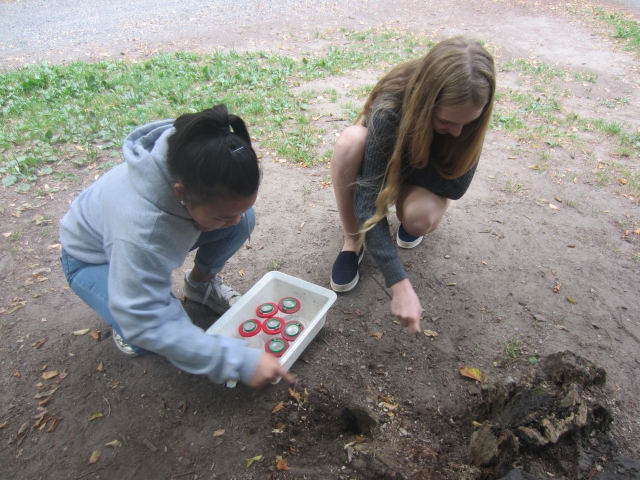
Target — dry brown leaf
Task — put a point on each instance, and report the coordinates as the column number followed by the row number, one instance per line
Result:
column 95, row 334
column 376, row 335
column 553, row 207
column 44, row 402
column 360, row 439
column 113, row 384
column 623, row 181
column 473, row 373
column 41, row 342
column 16, row 374
column 571, row 300
column 45, row 394
column 295, row 395
column 241, row 273
column 4, row 425
column 63, row 375
column 281, row 464
column 562, row 327
column 293, row 451
column 84, row 331
column 49, row 375
column 53, row 425
column 430, row 333
column 358, row 312
column 100, row 367
column 113, row 443
column 390, row 406
column 452, row 284
column 94, row 416
column 557, row 288
column 219, row 432
column 250, row 461
column 278, row 407
column 534, row 167
column 95, row 456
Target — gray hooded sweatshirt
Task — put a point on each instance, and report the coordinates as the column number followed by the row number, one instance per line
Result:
column 131, row 219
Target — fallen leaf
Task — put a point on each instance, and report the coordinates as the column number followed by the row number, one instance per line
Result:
column 512, row 157
column 95, row 456
column 278, row 428
column 558, row 199
column 16, row 374
column 473, row 373
column 360, row 439
column 281, row 464
column 556, row 289
column 451, row 284
column 430, row 333
column 84, row 331
column 562, row 327
column 4, row 425
column 483, row 262
column 636, row 231
column 250, row 461
column 46, row 394
column 15, row 308
column 571, row 245
column 241, row 273
column 100, row 367
column 53, row 425
column 95, row 334
column 376, row 335
column 94, row 416
column 571, row 300
column 218, row 433
column 623, row 181
column 476, row 424
column 534, row 167
column 278, row 407
column 44, row 402
column 553, row 207
column 49, row 375
column 390, row 406
column 113, row 384
column 358, row 312
column 113, row 443
column 293, row 451
column 295, row 395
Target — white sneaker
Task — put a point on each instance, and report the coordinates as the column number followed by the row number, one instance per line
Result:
column 123, row 346
column 214, row 294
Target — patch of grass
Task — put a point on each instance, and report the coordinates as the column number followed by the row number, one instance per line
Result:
column 14, row 236
column 95, row 105
column 569, row 203
column 625, row 27
column 275, row 265
column 513, row 187
column 603, row 177
column 513, row 347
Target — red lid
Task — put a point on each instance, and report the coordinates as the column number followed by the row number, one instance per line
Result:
column 292, row 330
column 267, row 310
column 276, row 346
column 289, row 305
column 272, row 326
column 249, row 328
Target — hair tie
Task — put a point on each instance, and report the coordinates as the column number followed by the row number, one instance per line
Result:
column 224, row 131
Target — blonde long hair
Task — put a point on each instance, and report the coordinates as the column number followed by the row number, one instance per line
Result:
column 455, row 73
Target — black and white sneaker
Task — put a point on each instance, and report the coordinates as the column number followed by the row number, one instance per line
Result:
column 406, row 240
column 344, row 274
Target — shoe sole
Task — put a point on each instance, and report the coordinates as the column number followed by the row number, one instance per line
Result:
column 198, row 298
column 349, row 286
column 128, row 353
column 408, row 245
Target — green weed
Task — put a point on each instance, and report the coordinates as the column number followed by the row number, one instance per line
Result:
column 275, row 265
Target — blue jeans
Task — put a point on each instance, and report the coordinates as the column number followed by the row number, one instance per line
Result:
column 90, row 281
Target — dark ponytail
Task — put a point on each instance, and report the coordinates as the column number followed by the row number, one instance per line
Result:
column 212, row 160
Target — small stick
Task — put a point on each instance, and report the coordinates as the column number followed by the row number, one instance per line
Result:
column 178, row 475
column 107, row 404
column 379, row 284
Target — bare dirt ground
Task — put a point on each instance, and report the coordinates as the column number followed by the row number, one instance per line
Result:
column 486, row 278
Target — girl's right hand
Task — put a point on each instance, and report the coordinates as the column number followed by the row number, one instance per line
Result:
column 405, row 305
column 267, row 371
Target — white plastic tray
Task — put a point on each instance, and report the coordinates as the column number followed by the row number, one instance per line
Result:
column 314, row 301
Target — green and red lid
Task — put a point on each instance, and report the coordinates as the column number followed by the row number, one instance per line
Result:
column 276, row 346
column 267, row 310
column 292, row 330
column 272, row 326
column 289, row 305
column 250, row 327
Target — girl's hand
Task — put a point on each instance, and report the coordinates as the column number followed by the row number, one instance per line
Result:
column 267, row 371
column 405, row 305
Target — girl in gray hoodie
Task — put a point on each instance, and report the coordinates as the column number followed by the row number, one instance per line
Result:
column 185, row 184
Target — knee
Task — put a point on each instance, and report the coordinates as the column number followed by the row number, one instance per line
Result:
column 349, row 146
column 423, row 224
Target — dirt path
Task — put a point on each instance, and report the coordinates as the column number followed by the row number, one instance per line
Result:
column 538, row 215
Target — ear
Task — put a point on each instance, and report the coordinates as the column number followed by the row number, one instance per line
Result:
column 180, row 192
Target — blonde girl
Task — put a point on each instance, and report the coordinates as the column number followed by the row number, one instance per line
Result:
column 416, row 144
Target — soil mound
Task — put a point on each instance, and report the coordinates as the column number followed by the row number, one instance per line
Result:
column 554, row 421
